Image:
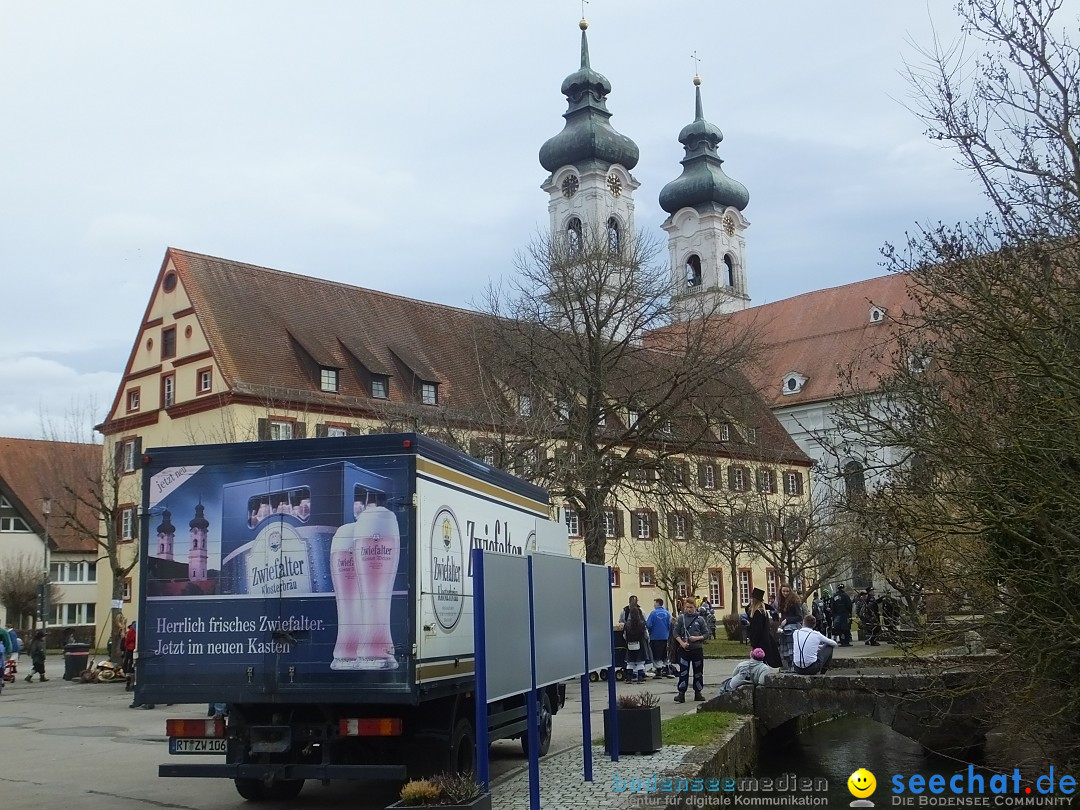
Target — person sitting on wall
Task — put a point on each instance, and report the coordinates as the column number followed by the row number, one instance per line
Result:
column 812, row 651
column 751, row 671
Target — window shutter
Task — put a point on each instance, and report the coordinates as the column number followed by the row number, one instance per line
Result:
column 355, row 431
column 772, row 481
column 300, row 430
column 671, row 525
column 618, row 522
column 684, row 468
column 688, row 523
column 138, row 452
column 320, row 430
column 731, row 478
column 118, row 457
column 654, row 526
column 798, row 483
column 263, row 430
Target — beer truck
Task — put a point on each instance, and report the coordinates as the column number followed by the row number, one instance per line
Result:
column 322, row 590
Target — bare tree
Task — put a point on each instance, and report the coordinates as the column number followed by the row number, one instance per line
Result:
column 565, row 371
column 20, row 584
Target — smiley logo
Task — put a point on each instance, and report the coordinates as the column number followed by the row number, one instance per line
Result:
column 861, row 783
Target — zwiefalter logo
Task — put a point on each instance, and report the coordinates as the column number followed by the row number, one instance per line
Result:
column 862, row 784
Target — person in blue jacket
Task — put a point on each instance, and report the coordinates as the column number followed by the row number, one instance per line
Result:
column 659, row 626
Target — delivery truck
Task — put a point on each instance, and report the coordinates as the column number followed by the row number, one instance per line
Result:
column 322, row 590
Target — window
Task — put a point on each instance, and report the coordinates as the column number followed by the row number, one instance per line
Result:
column 573, row 527
column 13, row 524
column 708, row 476
column 336, row 431
column 729, row 270
column 133, row 399
column 601, row 420
column 854, row 480
column 204, row 381
column 613, row 235
column 168, row 390
column 562, row 409
column 128, row 453
column 667, row 427
column 573, row 234
column 725, row 432
column 611, row 523
column 646, row 577
column 772, row 585
column 682, row 583
column 429, row 393
column 524, row 405
column 751, row 435
column 616, row 577
column 766, row 480
column 716, row 587
column 644, row 524
column 380, row 387
column 168, row 342
column 127, row 524
column 280, row 430
column 4, row 502
column 487, row 454
column 792, row 483
column 746, row 584
column 328, row 379
column 738, row 479
column 678, row 526
column 127, row 589
column 693, row 270
column 632, row 417
column 69, row 614
column 73, row 572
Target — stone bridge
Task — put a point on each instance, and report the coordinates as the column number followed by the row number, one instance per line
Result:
column 939, row 709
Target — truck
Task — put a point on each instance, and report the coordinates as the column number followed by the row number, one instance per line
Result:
column 321, row 589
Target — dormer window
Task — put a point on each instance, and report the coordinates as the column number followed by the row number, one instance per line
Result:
column 793, row 383
column 877, row 315
column 632, row 417
column 328, row 379
column 693, row 270
column 729, row 270
column 429, row 393
column 380, row 387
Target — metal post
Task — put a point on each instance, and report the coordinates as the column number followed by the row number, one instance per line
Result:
column 480, row 670
column 586, row 706
column 46, row 510
column 613, row 715
column 531, row 701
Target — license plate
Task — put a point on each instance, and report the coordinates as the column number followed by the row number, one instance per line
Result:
column 196, row 745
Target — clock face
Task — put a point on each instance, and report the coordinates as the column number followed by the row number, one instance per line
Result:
column 570, row 186
column 614, row 184
column 729, row 226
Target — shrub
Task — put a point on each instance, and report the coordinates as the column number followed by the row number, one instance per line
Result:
column 417, row 792
column 459, row 788
column 642, row 700
column 732, row 626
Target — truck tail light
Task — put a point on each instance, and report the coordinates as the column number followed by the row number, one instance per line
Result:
column 370, row 727
column 195, row 728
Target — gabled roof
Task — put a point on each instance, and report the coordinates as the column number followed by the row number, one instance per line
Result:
column 32, row 469
column 819, row 334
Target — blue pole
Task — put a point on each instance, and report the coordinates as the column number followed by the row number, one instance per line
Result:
column 586, row 719
column 480, row 670
column 613, row 716
column 530, row 703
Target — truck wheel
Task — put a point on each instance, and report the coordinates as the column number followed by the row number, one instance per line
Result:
column 463, row 747
column 252, row 789
column 286, row 789
column 543, row 727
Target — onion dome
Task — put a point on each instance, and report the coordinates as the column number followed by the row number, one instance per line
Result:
column 702, row 180
column 199, row 521
column 166, row 526
column 588, row 134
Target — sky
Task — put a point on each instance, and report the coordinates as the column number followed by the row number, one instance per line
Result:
column 394, row 146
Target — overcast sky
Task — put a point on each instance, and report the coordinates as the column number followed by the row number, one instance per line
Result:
column 394, row 146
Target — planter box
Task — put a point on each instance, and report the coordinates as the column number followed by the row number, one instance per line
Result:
column 481, row 802
column 639, row 731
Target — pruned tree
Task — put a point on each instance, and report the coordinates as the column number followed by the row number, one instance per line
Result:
column 593, row 413
column 20, row 583
column 983, row 382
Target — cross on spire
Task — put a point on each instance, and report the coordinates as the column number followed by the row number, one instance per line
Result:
column 693, row 56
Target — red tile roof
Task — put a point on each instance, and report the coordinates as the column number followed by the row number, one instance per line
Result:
column 32, row 469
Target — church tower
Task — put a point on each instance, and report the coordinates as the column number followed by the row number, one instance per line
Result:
column 706, row 228
column 197, row 552
column 589, row 185
column 166, row 536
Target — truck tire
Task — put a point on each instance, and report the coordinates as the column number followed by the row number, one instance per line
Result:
column 252, row 789
column 286, row 789
column 255, row 790
column 544, row 723
column 462, row 752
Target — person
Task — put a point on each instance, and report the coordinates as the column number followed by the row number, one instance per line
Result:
column 760, row 629
column 826, row 609
column 870, row 616
column 69, row 637
column 636, row 636
column 633, row 602
column 791, row 611
column 3, row 657
column 817, row 608
column 813, row 651
column 751, row 671
column 706, row 610
column 129, row 649
column 841, row 616
column 621, row 626
column 690, row 634
column 659, row 626
column 37, row 657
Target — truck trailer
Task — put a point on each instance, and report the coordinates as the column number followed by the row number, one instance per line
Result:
column 322, row 590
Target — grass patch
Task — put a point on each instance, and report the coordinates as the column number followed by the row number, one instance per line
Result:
column 697, row 728
column 722, row 648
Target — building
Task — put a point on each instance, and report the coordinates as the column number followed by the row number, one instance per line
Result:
column 45, row 501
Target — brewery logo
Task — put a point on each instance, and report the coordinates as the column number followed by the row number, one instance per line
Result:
column 447, row 569
column 282, row 566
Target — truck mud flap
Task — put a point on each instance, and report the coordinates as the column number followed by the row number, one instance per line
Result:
column 268, row 773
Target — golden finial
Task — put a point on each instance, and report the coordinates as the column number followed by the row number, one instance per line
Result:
column 584, row 23
column 697, row 80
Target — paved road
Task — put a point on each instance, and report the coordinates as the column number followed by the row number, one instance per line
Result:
column 79, row 745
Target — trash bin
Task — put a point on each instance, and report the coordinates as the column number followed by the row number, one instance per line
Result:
column 76, row 659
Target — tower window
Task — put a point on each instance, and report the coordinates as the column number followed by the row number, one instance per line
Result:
column 729, row 270
column 613, row 235
column 573, row 234
column 693, row 270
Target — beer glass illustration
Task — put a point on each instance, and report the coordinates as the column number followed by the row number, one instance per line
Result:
column 376, row 548
column 347, row 593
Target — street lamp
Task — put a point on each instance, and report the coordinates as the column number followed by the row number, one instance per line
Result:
column 46, row 510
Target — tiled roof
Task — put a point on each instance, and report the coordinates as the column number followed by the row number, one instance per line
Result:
column 32, row 469
column 822, row 333
column 271, row 330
